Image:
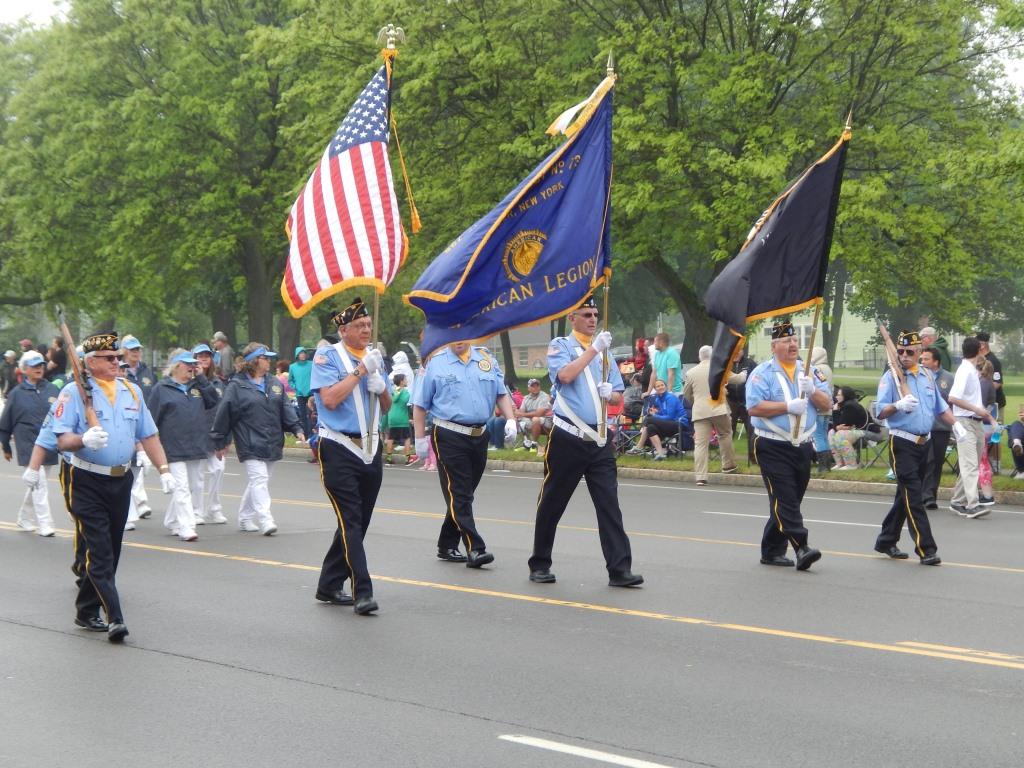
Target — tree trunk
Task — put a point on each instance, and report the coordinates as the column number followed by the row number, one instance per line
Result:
column 832, row 311
column 700, row 328
column 511, row 377
column 289, row 331
column 224, row 319
column 258, row 292
column 561, row 325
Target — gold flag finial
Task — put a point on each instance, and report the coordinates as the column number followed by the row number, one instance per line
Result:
column 849, row 121
column 610, row 69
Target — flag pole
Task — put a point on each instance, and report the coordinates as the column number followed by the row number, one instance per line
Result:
column 602, row 427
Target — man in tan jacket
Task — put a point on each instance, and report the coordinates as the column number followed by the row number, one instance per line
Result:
column 707, row 415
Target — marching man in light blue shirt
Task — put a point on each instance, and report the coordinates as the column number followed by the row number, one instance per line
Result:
column 99, row 426
column 910, row 414
column 579, row 448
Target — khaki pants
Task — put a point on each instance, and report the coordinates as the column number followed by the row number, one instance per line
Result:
column 701, row 438
column 969, row 451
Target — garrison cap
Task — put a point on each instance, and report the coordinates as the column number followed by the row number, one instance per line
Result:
column 353, row 311
column 104, row 341
column 588, row 303
column 782, row 330
column 908, row 339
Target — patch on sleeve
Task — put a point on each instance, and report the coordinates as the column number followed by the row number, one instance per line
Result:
column 552, row 349
column 320, row 359
column 820, row 375
column 756, row 379
column 997, row 376
column 64, row 396
column 60, row 410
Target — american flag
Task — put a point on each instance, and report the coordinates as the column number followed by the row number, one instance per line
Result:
column 344, row 228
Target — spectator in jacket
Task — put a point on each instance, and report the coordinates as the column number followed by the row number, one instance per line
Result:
column 58, row 360
column 298, row 379
column 135, row 370
column 819, row 359
column 708, row 416
column 930, row 339
column 941, row 432
column 989, row 398
column 223, row 356
column 1015, row 438
column 399, row 429
column 210, row 510
column 665, row 417
column 255, row 412
column 179, row 404
column 8, row 373
column 633, row 398
column 850, row 420
column 736, row 397
column 23, row 414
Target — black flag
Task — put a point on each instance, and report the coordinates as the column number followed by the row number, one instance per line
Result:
column 782, row 265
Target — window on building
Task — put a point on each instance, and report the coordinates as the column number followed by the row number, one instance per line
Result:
column 523, row 357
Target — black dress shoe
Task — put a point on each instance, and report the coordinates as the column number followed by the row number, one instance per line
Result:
column 627, row 579
column 542, row 576
column 478, row 558
column 117, row 632
column 931, row 505
column 338, row 597
column 92, row 623
column 931, row 560
column 806, row 557
column 450, row 555
column 782, row 560
column 365, row 606
column 894, row 552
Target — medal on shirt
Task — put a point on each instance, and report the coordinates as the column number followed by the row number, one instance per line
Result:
column 484, row 365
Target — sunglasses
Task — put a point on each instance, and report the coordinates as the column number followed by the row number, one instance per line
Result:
column 902, row 352
column 107, row 357
column 589, row 315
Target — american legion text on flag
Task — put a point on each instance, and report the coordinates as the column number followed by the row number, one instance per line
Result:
column 344, row 229
column 782, row 265
column 540, row 252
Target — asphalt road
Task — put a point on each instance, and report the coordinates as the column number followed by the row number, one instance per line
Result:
column 716, row 661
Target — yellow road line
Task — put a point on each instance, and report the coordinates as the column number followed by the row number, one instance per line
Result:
column 951, row 653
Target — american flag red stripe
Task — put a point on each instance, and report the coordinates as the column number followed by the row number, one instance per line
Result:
column 344, row 227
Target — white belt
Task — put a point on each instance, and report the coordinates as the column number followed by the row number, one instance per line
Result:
column 462, row 429
column 571, row 429
column 100, row 469
column 767, row 435
column 354, row 444
column 918, row 439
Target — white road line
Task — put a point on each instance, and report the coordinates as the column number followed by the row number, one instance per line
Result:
column 592, row 754
column 806, row 519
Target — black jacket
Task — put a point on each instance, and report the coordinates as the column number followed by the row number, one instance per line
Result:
column 23, row 415
column 217, row 384
column 257, row 420
column 181, row 417
column 143, row 378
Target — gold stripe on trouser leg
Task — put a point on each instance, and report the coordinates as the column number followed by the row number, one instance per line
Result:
column 88, row 551
column 451, row 498
column 774, row 502
column 906, row 500
column 337, row 514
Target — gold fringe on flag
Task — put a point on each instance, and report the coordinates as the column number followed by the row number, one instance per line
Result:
column 414, row 215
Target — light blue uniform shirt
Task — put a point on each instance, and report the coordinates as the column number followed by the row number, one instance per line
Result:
column 763, row 385
column 328, row 370
column 461, row 392
column 46, row 439
column 562, row 351
column 127, row 421
column 922, row 386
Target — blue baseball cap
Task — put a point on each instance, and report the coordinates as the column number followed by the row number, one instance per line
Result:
column 259, row 352
column 184, row 357
column 130, row 342
column 31, row 359
column 200, row 348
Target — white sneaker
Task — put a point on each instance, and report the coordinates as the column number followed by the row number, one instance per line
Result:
column 269, row 528
column 145, row 512
column 46, row 531
column 187, row 535
column 200, row 520
column 846, row 467
column 247, row 526
column 25, row 525
column 217, row 518
column 129, row 526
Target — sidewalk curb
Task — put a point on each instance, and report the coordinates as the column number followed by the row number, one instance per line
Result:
column 1015, row 498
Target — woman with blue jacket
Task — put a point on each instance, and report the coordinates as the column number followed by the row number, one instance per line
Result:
column 666, row 416
column 255, row 412
column 299, row 374
column 179, row 404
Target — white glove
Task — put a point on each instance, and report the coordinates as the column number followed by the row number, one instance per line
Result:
column 806, row 385
column 167, row 483
column 422, row 447
column 143, row 459
column 604, row 389
column 511, row 430
column 375, row 383
column 30, row 477
column 797, row 407
column 959, row 431
column 741, row 377
column 372, row 361
column 602, row 342
column 95, row 438
column 907, row 403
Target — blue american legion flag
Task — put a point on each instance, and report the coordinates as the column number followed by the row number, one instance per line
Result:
column 540, row 252
column 344, row 229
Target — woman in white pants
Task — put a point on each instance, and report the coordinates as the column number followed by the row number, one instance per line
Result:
column 256, row 413
column 179, row 404
column 24, row 411
column 209, row 508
